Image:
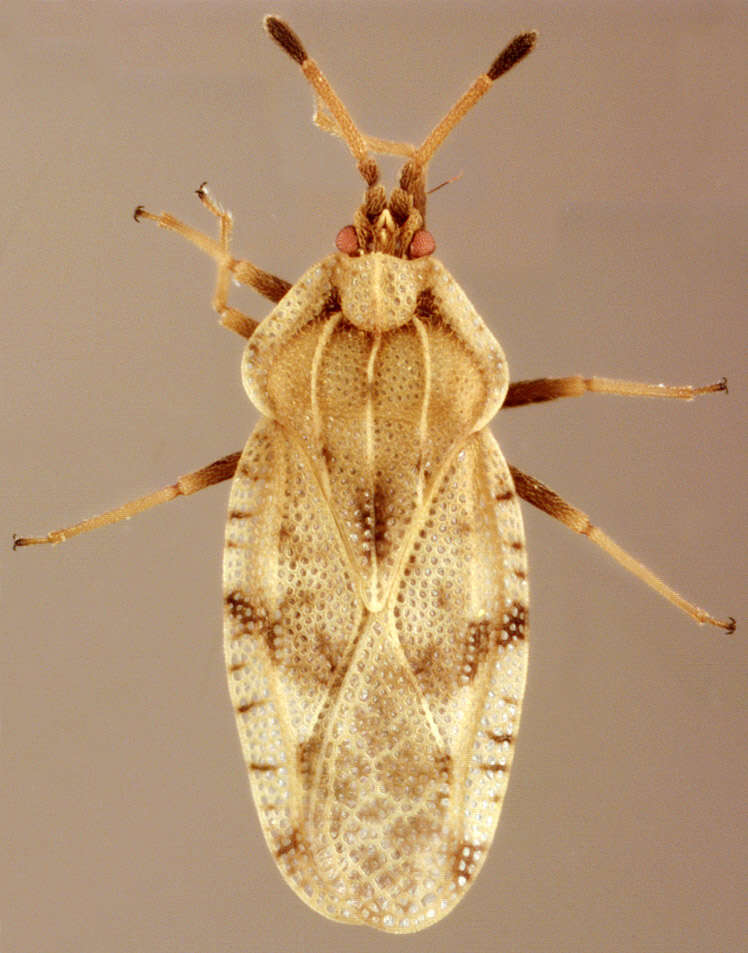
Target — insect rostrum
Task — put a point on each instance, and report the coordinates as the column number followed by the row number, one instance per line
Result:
column 375, row 574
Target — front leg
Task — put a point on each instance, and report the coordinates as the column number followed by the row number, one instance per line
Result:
column 229, row 268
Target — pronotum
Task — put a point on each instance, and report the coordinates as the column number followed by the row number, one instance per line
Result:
column 375, row 576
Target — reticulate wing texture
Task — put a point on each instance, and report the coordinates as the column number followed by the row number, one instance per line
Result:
column 378, row 741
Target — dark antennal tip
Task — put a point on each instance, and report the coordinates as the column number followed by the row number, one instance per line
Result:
column 517, row 50
column 285, row 37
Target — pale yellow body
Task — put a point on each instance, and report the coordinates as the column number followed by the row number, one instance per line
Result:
column 376, row 592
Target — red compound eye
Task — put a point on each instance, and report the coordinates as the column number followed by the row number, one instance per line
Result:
column 422, row 244
column 346, row 241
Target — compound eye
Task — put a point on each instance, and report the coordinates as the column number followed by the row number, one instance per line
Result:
column 422, row 244
column 346, row 241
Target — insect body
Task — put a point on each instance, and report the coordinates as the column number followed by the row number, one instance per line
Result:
column 375, row 577
column 376, row 591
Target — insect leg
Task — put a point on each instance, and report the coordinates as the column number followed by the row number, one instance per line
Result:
column 541, row 389
column 228, row 267
column 537, row 493
column 215, row 472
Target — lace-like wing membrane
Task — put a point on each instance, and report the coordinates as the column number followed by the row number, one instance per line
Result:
column 375, row 587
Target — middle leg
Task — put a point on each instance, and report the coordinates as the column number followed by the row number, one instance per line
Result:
column 541, row 389
column 216, row 472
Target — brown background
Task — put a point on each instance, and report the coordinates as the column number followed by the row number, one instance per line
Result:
column 599, row 227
